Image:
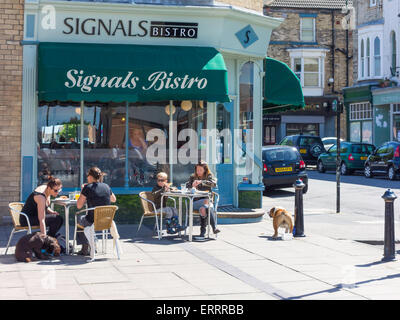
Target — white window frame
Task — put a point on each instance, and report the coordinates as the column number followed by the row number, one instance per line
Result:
column 301, row 29
column 316, row 53
column 377, row 57
column 360, row 111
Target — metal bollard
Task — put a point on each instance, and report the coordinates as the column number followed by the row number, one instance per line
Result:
column 389, row 253
column 298, row 209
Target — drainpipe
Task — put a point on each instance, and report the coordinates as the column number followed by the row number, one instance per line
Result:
column 333, row 50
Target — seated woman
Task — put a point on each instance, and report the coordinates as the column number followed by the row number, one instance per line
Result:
column 37, row 208
column 203, row 180
column 171, row 213
column 96, row 193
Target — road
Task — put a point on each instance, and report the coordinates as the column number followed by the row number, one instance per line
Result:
column 362, row 208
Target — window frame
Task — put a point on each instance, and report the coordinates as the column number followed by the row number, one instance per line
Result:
column 313, row 29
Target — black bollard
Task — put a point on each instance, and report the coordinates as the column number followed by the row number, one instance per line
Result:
column 298, row 209
column 389, row 253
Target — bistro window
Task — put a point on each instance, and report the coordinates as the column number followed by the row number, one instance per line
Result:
column 116, row 138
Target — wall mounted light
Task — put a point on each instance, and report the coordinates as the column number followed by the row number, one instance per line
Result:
column 167, row 107
column 186, row 105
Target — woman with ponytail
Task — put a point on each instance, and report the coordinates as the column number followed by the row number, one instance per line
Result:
column 37, row 208
column 95, row 193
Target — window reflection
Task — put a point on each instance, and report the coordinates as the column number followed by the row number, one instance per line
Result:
column 246, row 118
column 58, row 147
column 193, row 116
column 103, row 145
column 144, row 117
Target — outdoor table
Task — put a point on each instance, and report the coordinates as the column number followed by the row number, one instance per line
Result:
column 189, row 195
column 66, row 203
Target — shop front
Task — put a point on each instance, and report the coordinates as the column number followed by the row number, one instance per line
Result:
column 387, row 114
column 360, row 115
column 139, row 89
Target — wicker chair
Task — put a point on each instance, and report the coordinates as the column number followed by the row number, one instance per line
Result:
column 15, row 209
column 103, row 219
column 150, row 211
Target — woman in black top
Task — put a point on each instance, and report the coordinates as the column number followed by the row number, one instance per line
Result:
column 95, row 193
column 37, row 208
column 203, row 180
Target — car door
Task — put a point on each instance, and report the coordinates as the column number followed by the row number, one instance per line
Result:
column 388, row 157
column 376, row 160
column 331, row 157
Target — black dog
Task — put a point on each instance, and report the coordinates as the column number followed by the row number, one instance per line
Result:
column 34, row 243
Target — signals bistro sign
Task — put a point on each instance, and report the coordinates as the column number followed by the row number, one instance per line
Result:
column 156, row 81
column 130, row 28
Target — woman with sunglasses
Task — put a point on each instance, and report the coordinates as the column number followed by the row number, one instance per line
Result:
column 37, row 208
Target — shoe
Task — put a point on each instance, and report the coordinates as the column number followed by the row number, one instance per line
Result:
column 85, row 251
column 203, row 226
column 216, row 230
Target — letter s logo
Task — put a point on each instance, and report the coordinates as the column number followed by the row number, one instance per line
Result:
column 247, row 36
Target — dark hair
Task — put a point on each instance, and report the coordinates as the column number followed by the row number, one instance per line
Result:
column 53, row 182
column 96, row 173
column 205, row 167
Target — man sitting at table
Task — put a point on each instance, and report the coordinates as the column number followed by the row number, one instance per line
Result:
column 171, row 213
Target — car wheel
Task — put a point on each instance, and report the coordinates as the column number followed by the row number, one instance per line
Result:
column 343, row 169
column 367, row 171
column 391, row 173
column 305, row 189
column 321, row 167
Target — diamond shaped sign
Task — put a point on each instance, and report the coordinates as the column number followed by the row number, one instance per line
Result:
column 247, row 36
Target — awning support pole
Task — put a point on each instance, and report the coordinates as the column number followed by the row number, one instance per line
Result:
column 127, row 145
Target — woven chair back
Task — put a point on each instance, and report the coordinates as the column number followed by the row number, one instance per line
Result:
column 103, row 217
column 147, row 207
column 15, row 208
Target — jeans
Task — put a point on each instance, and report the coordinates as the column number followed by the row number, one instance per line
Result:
column 80, row 236
column 53, row 223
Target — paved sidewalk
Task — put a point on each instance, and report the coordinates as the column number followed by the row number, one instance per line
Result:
column 243, row 263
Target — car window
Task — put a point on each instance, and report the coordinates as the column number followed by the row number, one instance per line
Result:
column 357, row 148
column 382, row 149
column 308, row 141
column 344, row 149
column 330, row 141
column 284, row 142
column 333, row 148
column 390, row 149
column 281, row 155
column 367, row 148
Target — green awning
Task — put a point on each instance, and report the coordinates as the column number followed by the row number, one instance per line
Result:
column 282, row 88
column 117, row 73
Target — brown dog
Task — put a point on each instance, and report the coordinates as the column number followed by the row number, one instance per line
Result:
column 34, row 243
column 281, row 219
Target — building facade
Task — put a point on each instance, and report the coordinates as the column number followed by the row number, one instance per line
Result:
column 11, row 65
column 316, row 44
column 373, row 100
column 104, row 83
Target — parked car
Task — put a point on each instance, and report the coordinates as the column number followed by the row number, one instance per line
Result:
column 310, row 147
column 384, row 161
column 283, row 165
column 329, row 142
column 352, row 157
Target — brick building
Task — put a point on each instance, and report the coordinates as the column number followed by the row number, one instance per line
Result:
column 11, row 33
column 49, row 130
column 314, row 43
